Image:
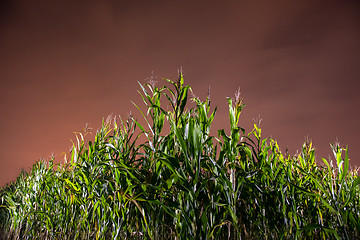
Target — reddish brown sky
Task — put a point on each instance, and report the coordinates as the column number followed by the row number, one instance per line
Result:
column 66, row 63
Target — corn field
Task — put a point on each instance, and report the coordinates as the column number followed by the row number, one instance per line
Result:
column 136, row 180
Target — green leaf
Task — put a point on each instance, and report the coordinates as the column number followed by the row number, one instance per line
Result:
column 170, row 181
column 355, row 183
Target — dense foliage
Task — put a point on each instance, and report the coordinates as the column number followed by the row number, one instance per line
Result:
column 183, row 184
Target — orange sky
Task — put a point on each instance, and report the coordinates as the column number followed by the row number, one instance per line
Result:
column 66, row 63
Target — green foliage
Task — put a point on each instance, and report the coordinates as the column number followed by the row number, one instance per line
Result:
column 183, row 184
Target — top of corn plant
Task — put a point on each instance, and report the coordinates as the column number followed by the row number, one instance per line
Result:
column 183, row 183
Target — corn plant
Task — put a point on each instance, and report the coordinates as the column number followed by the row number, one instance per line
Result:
column 164, row 176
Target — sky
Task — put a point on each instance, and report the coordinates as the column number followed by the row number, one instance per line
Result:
column 67, row 63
